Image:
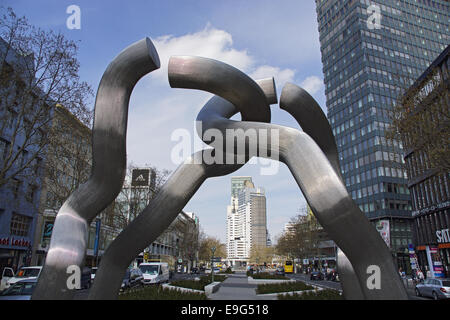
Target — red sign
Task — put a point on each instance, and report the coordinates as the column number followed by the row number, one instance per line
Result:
column 11, row 241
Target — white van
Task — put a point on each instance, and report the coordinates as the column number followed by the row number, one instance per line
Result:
column 155, row 272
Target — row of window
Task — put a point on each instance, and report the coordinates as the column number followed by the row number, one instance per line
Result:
column 383, row 204
column 30, row 192
column 19, row 224
column 383, row 187
column 431, row 192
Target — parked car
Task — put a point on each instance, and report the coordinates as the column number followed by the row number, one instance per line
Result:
column 20, row 290
column 86, row 281
column 8, row 277
column 216, row 270
column 316, row 275
column 279, row 271
column 436, row 288
column 132, row 278
column 195, row 270
column 208, row 270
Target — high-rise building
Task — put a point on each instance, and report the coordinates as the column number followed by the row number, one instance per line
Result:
column 246, row 220
column 372, row 51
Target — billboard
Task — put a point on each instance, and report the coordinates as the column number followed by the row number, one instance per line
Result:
column 140, row 178
column 383, row 228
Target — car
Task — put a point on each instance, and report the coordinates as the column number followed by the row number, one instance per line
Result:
column 94, row 271
column 316, row 275
column 20, row 290
column 436, row 288
column 86, row 280
column 195, row 270
column 216, row 270
column 208, row 270
column 132, row 278
column 155, row 272
column 24, row 273
column 279, row 271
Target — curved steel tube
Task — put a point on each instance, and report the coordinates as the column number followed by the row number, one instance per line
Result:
column 308, row 114
column 332, row 205
column 68, row 242
column 188, row 177
column 190, row 72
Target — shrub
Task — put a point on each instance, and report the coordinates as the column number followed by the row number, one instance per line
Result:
column 160, row 293
column 282, row 287
column 229, row 270
column 266, row 275
column 197, row 284
column 327, row 294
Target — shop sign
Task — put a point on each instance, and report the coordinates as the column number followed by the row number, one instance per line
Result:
column 439, row 206
column 442, row 236
column 11, row 241
column 140, row 177
column 48, row 229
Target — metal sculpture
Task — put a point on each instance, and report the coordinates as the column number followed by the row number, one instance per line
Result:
column 310, row 155
column 69, row 237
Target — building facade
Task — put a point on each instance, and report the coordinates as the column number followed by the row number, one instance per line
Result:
column 427, row 102
column 68, row 164
column 22, row 117
column 246, row 220
column 371, row 51
column 178, row 245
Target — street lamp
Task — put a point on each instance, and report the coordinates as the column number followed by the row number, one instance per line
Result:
column 213, row 249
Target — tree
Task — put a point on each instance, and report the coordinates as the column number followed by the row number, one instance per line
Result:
column 420, row 118
column 38, row 70
column 132, row 200
column 303, row 238
column 188, row 244
column 68, row 159
column 261, row 254
column 206, row 244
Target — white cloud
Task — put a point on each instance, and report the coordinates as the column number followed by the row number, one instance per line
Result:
column 312, row 84
column 209, row 43
column 281, row 76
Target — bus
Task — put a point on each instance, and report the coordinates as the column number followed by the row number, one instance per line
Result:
column 289, row 267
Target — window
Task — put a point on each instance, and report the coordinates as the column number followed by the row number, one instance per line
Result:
column 15, row 187
column 31, row 192
column 20, row 225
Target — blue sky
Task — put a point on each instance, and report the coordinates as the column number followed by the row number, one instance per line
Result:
column 262, row 38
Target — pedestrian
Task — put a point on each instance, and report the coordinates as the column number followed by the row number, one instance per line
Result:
column 420, row 275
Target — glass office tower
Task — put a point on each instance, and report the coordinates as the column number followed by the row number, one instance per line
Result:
column 371, row 52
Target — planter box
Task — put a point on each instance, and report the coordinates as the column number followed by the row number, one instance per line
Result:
column 212, row 287
column 264, row 281
column 168, row 286
column 209, row 289
column 289, row 292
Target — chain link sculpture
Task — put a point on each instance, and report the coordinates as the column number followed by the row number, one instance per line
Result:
column 311, row 156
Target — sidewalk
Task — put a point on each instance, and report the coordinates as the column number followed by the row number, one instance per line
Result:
column 236, row 287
